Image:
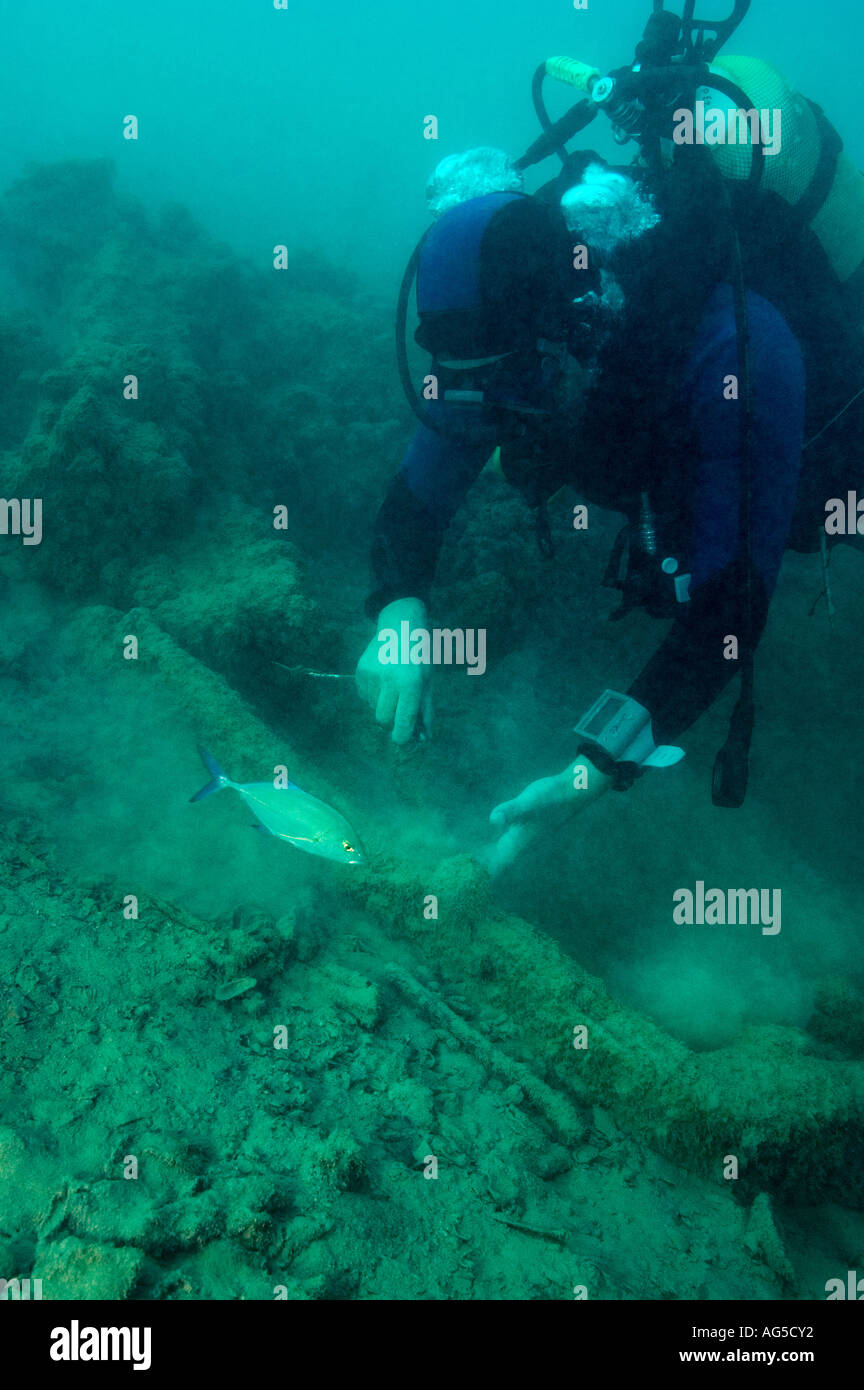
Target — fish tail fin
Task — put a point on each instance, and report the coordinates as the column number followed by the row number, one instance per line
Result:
column 218, row 778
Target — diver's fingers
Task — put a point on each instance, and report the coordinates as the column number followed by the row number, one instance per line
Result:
column 406, row 712
column 363, row 683
column 504, row 851
column 504, row 813
column 388, row 698
column 368, row 678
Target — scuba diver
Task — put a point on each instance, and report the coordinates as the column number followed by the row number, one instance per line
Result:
column 679, row 340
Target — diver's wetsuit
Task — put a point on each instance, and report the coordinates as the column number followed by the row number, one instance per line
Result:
column 689, row 669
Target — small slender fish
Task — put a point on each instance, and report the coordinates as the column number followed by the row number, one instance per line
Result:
column 290, row 814
column 419, row 725
column 316, row 675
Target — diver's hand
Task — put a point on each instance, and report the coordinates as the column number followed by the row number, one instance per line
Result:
column 540, row 809
column 399, row 694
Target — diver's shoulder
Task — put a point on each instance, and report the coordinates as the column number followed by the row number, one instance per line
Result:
column 765, row 321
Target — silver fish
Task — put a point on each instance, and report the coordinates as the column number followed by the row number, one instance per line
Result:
column 290, row 814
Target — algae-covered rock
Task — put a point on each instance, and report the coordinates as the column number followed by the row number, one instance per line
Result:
column 72, row 1269
column 232, row 989
column 298, row 1169
column 763, row 1238
column 189, row 1223
column 259, row 608
column 47, row 251
column 13, row 1153
column 190, row 390
column 794, row 1120
column 838, row 1016
column 353, row 994
column 340, row 1158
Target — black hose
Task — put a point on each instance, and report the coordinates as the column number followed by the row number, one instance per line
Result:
column 537, row 97
column 408, row 279
column 425, row 416
column 732, row 764
column 695, row 45
column 742, row 102
column 555, row 134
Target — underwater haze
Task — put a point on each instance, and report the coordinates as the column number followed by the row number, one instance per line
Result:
column 236, row 1069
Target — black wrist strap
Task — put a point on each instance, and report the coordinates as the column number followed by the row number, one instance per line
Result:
column 623, row 774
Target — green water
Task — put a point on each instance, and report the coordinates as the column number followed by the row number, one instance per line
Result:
column 169, row 1130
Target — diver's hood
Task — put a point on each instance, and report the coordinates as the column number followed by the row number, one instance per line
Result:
column 495, row 273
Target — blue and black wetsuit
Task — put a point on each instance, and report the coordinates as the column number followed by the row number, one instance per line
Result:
column 689, row 669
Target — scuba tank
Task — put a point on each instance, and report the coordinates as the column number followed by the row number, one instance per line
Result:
column 821, row 186
column 676, row 68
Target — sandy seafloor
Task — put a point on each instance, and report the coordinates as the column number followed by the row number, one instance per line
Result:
column 300, row 1167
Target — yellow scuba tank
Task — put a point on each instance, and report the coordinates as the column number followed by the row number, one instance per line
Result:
column 808, row 171
column 795, row 169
